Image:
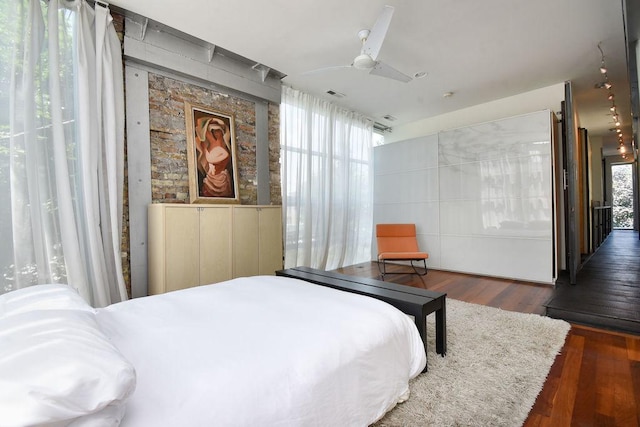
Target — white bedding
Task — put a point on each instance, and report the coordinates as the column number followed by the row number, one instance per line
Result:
column 263, row 351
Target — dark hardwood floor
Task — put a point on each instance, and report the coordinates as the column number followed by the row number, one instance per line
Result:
column 594, row 381
column 513, row 295
column 607, row 289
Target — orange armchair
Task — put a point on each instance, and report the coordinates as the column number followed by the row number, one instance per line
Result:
column 397, row 242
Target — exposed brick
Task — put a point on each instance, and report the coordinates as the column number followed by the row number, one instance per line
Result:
column 169, row 169
column 168, row 138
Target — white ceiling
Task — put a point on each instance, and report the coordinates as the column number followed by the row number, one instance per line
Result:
column 479, row 50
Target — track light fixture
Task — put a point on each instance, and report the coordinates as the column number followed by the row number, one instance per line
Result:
column 610, row 96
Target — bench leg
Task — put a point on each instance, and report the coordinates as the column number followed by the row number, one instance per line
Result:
column 421, row 324
column 441, row 330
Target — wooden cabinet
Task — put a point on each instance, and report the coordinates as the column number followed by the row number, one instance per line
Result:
column 191, row 245
column 257, row 232
column 188, row 246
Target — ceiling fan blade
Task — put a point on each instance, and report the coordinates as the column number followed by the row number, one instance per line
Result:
column 324, row 69
column 383, row 70
column 376, row 36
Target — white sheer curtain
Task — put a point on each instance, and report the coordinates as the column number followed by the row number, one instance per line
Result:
column 61, row 148
column 327, row 182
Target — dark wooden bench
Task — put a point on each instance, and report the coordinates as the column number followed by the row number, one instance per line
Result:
column 413, row 301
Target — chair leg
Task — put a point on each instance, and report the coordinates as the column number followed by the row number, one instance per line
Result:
column 416, row 270
column 382, row 270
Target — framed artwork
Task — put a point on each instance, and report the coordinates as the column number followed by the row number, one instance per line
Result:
column 211, row 152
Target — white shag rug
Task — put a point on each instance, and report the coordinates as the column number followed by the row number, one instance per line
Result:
column 496, row 364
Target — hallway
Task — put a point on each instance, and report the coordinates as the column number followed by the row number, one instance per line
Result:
column 607, row 290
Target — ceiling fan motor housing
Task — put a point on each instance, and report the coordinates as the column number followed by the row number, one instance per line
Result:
column 364, row 62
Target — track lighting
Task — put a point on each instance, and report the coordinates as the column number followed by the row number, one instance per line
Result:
column 610, row 96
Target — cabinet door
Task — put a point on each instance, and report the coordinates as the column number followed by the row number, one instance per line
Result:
column 215, row 244
column 246, row 255
column 270, row 239
column 182, row 259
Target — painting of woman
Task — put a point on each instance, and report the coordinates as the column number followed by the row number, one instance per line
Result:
column 214, row 152
column 211, row 152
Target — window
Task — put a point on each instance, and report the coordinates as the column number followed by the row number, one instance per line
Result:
column 622, row 190
column 61, row 149
column 327, row 182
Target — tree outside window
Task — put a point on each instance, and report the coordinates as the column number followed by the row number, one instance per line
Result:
column 622, row 188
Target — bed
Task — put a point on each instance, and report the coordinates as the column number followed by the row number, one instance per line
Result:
column 252, row 351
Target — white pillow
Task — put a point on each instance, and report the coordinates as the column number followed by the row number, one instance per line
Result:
column 58, row 368
column 42, row 297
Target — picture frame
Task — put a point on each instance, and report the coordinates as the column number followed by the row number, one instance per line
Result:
column 211, row 152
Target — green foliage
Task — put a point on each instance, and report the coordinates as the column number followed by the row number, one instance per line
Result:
column 29, row 274
column 622, row 185
column 15, row 77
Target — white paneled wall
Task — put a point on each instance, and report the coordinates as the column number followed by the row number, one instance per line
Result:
column 406, row 190
column 481, row 196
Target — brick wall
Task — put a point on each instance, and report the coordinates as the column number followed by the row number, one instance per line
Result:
column 169, row 170
column 274, row 154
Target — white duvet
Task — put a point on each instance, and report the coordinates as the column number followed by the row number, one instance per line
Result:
column 263, row 351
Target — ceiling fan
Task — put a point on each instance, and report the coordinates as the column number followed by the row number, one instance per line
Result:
column 371, row 43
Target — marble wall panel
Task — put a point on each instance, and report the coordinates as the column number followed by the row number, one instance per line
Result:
column 484, row 193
